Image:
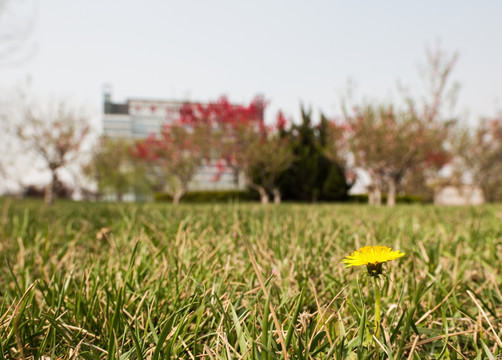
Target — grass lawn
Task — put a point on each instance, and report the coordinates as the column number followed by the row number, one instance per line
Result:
column 232, row 281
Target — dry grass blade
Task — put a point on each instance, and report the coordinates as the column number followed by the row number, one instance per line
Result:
column 322, row 312
column 381, row 345
column 497, row 339
column 440, row 337
column 458, row 352
column 16, row 316
column 265, row 292
column 424, row 316
column 192, row 269
column 187, row 349
column 413, row 347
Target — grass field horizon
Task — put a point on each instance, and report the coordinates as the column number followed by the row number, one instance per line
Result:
column 245, row 281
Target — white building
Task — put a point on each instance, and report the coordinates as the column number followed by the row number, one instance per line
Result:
column 138, row 118
column 459, row 195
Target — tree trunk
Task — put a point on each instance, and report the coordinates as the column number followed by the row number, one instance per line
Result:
column 378, row 197
column 264, row 198
column 374, row 195
column 177, row 188
column 177, row 197
column 49, row 192
column 391, row 195
column 277, row 196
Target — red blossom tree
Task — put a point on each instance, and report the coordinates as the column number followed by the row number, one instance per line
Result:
column 229, row 135
column 175, row 155
column 241, row 140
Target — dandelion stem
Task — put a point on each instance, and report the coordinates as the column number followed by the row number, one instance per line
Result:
column 377, row 308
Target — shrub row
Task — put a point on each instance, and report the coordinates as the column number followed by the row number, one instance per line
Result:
column 250, row 195
column 400, row 199
column 210, row 196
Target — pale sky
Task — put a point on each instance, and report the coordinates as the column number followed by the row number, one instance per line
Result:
column 288, row 51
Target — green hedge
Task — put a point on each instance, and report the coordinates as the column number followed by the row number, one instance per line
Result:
column 358, row 198
column 400, row 199
column 210, row 196
column 409, row 199
column 250, row 195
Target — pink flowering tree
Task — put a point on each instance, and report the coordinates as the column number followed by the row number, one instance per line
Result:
column 395, row 144
column 239, row 139
column 389, row 144
column 175, row 155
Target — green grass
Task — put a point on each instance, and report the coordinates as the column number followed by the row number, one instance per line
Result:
column 152, row 281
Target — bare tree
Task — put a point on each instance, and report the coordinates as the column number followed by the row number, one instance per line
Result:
column 56, row 137
column 441, row 90
column 394, row 144
column 479, row 154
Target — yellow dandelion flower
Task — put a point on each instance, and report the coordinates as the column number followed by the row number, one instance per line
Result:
column 373, row 257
